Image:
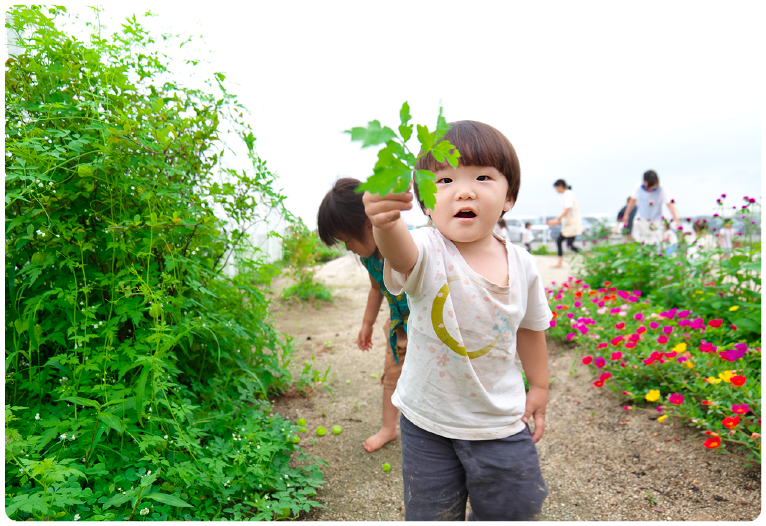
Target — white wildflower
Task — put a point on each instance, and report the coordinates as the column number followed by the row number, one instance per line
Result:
column 145, row 511
column 77, row 517
column 62, row 436
column 37, row 416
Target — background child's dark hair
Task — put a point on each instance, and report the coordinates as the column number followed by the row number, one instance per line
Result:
column 479, row 145
column 700, row 226
column 501, row 222
column 650, row 178
column 561, row 182
column 341, row 212
column 527, row 225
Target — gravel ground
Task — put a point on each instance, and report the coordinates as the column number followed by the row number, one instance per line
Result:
column 600, row 462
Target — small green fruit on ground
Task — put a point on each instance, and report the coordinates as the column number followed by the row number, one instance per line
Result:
column 386, row 467
column 321, row 431
column 301, row 422
column 285, row 512
column 296, row 439
column 336, row 430
column 348, row 381
column 313, row 442
column 302, row 429
column 373, row 376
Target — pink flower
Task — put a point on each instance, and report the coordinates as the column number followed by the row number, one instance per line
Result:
column 614, row 311
column 667, row 329
column 587, row 360
column 626, row 408
column 577, row 304
column 654, row 325
column 676, row 398
column 616, row 355
column 740, row 409
column 662, row 340
column 619, row 326
column 683, row 314
column 552, row 323
column 638, row 316
column 602, row 345
column 616, row 340
column 570, row 315
column 634, row 337
column 600, row 362
column 641, row 329
column 601, row 311
column 630, row 345
column 604, row 376
column 570, row 336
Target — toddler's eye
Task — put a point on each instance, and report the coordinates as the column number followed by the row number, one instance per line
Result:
column 483, row 178
column 444, row 180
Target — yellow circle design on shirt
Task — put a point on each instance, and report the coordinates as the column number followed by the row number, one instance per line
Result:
column 437, row 319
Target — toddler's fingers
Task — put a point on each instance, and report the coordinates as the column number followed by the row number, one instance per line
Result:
column 539, row 428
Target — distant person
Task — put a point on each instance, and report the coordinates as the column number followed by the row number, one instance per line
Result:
column 627, row 227
column 341, row 217
column 528, row 236
column 726, row 236
column 571, row 223
column 648, row 199
column 501, row 229
column 703, row 240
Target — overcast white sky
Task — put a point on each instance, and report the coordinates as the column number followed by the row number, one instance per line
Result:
column 592, row 92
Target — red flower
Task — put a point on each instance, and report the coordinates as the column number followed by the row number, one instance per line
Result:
column 587, row 360
column 604, row 376
column 630, row 345
column 641, row 330
column 578, row 294
column 555, row 314
column 619, row 326
column 607, row 283
column 616, row 355
column 707, row 402
column 715, row 323
column 738, row 380
column 616, row 340
column 598, row 383
column 662, row 340
column 634, row 337
column 712, row 442
column 648, row 361
column 733, row 327
column 730, row 421
column 671, row 354
column 602, row 345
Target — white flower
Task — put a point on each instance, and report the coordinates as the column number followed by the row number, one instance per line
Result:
column 145, row 511
column 166, row 437
column 72, row 437
column 77, row 517
column 95, row 326
column 50, row 183
column 148, row 473
column 39, row 232
column 40, row 185
column 62, row 436
column 37, row 416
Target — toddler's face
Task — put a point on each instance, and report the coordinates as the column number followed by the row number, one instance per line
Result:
column 365, row 248
column 469, row 200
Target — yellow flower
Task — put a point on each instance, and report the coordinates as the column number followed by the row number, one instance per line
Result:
column 681, row 347
column 689, row 364
column 663, row 417
column 653, row 395
column 714, row 380
column 700, row 292
column 732, row 309
column 726, row 376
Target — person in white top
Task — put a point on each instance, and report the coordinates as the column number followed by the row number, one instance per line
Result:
column 476, row 301
column 650, row 197
column 726, row 236
column 571, row 223
column 669, row 240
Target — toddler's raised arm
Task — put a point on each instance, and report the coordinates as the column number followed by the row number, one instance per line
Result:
column 391, row 234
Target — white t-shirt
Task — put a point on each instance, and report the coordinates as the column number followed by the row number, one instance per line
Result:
column 726, row 237
column 649, row 205
column 460, row 379
column 670, row 237
column 528, row 236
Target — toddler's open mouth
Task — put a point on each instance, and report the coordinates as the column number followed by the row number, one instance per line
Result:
column 466, row 214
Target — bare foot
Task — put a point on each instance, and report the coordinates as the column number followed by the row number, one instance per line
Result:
column 380, row 439
column 556, row 266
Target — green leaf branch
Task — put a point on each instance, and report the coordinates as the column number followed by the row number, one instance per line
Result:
column 394, row 170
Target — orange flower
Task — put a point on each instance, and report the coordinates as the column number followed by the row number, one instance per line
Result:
column 578, row 294
column 712, row 442
column 555, row 314
column 592, row 292
column 730, row 422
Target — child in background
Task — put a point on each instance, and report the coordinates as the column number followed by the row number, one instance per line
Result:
column 341, row 217
column 477, row 301
column 702, row 242
column 528, row 236
column 669, row 240
column 501, row 229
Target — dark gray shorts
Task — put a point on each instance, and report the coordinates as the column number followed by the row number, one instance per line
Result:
column 502, row 476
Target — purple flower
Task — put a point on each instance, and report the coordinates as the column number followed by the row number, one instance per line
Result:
column 600, row 362
column 683, row 314
column 740, row 346
column 732, row 354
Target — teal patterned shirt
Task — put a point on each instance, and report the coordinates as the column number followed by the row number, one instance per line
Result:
column 400, row 311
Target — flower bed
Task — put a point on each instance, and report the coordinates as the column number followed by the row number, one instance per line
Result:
column 680, row 364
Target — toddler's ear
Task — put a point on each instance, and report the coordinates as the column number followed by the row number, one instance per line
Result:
column 508, row 205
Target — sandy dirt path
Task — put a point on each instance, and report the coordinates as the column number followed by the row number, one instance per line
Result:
column 599, row 462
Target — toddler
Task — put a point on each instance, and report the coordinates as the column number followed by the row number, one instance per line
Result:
column 476, row 301
column 528, row 236
column 341, row 217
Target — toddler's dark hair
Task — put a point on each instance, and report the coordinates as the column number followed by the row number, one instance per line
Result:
column 561, row 182
column 700, row 227
column 479, row 144
column 341, row 212
column 650, row 178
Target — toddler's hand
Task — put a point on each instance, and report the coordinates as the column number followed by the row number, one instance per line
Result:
column 384, row 211
column 364, row 340
column 537, row 400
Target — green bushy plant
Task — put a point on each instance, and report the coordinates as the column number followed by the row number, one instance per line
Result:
column 301, row 252
column 131, row 356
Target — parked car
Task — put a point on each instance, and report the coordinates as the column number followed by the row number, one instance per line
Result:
column 516, row 228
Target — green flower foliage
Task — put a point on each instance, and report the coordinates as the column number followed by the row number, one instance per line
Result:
column 302, row 250
column 396, row 163
column 137, row 370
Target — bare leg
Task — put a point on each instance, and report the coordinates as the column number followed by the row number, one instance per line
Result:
column 388, row 432
column 559, row 264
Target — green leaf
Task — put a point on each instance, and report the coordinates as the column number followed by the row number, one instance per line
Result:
column 426, row 187
column 426, row 138
column 96, row 439
column 81, row 401
column 140, row 387
column 84, row 171
column 372, row 135
column 112, row 421
column 169, row 499
column 404, row 115
column 441, row 125
column 118, row 499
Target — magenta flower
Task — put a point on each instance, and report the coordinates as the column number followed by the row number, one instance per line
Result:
column 570, row 315
column 740, row 409
column 577, row 304
column 570, row 335
column 662, row 340
column 654, row 325
column 600, row 303
column 616, row 355
column 676, row 398
column 638, row 316
column 681, row 359
column 641, row 329
column 602, row 345
column 683, row 314
column 552, row 323
column 614, row 311
column 667, row 329
column 619, row 326
column 600, row 362
column 605, row 376
column 634, row 338
column 740, row 346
